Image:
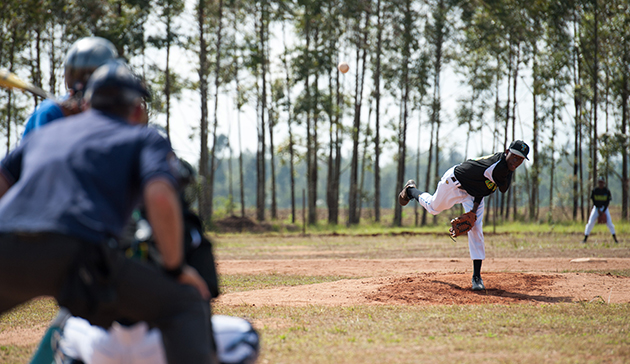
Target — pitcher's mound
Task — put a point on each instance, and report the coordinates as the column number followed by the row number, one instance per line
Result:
column 445, row 289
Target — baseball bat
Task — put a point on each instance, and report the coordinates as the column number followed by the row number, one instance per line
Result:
column 10, row 80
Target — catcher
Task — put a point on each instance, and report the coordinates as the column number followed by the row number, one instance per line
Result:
column 468, row 183
column 601, row 197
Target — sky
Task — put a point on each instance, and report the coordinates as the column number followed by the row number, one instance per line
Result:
column 185, row 113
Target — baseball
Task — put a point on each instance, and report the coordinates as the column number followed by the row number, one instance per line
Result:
column 343, row 67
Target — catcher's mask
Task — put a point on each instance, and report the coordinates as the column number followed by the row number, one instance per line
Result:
column 86, row 55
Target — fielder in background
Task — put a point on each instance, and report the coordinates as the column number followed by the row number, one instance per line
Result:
column 601, row 197
column 85, row 55
column 468, row 183
column 66, row 194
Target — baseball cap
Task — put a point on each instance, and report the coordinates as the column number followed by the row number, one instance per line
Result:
column 519, row 148
column 116, row 75
column 601, row 179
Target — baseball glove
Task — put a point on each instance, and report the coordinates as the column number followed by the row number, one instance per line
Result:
column 601, row 219
column 462, row 224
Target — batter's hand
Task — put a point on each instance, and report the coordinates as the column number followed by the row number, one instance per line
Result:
column 191, row 277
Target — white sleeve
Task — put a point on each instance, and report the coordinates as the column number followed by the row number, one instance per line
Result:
column 488, row 172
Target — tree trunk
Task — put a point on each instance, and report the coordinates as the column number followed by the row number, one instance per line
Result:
column 513, row 188
column 361, row 55
column 289, row 124
column 260, row 156
column 310, row 152
column 533, row 196
column 624, row 149
column 272, row 160
column 578, row 125
column 553, row 159
column 595, row 93
column 203, row 128
column 377, row 136
column 437, row 98
column 415, row 205
column 332, row 181
column 364, row 161
column 427, row 182
column 505, row 200
column 217, row 85
column 240, row 149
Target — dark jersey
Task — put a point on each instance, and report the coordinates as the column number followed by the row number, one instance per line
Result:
column 601, row 197
column 82, row 176
column 482, row 176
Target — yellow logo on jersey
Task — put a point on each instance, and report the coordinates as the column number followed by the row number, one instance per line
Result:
column 491, row 185
column 600, row 197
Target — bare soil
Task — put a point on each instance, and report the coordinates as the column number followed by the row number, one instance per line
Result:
column 434, row 282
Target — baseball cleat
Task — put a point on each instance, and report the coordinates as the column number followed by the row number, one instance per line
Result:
column 403, row 196
column 477, row 284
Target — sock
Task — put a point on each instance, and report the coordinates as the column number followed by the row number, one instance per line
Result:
column 413, row 193
column 585, row 237
column 477, row 268
column 614, row 237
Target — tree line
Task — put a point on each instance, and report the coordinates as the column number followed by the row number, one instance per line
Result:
column 277, row 57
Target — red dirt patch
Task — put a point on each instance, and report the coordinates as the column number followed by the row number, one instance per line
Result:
column 433, row 282
column 446, row 289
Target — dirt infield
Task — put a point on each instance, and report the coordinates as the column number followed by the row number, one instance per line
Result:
column 434, row 281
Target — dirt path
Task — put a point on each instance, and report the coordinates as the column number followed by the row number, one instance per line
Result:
column 434, row 281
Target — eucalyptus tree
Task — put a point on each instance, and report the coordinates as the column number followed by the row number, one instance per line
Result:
column 217, row 14
column 262, row 20
column 169, row 10
column 377, row 101
column 203, row 71
column 438, row 32
column 288, row 83
column 236, row 41
column 555, row 77
column 402, row 77
column 13, row 41
column 361, row 32
column 474, row 62
column 310, row 62
column 334, row 27
column 616, row 58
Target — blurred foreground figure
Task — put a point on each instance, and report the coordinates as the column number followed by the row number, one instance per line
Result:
column 66, row 194
column 85, row 56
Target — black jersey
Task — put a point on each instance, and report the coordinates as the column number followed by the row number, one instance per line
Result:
column 482, row 176
column 601, row 197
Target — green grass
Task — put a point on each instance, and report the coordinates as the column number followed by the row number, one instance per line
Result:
column 562, row 333
column 243, row 282
column 528, row 244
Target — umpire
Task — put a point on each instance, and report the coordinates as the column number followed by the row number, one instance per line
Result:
column 65, row 195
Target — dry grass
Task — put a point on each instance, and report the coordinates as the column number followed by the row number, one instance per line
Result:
column 565, row 333
column 559, row 333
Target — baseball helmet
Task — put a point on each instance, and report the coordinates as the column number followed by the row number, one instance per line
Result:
column 86, row 55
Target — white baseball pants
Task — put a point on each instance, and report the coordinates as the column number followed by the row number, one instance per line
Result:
column 593, row 219
column 446, row 196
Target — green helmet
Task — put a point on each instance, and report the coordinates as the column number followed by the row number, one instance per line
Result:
column 86, row 55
